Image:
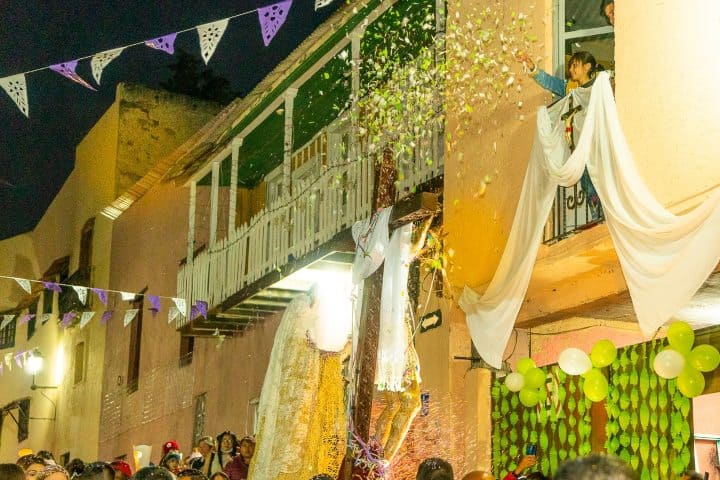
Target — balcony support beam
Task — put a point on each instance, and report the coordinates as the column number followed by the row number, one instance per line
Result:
column 214, row 192
column 232, row 212
column 191, row 223
column 290, row 94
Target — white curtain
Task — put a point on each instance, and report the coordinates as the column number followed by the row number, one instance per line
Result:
column 665, row 257
column 393, row 341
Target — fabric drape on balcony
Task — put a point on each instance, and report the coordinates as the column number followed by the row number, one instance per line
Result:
column 665, row 257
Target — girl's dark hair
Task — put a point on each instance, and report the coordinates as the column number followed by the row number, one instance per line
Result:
column 11, row 471
column 235, row 445
column 27, row 460
column 583, row 57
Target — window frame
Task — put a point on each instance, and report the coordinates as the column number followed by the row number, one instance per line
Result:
column 560, row 36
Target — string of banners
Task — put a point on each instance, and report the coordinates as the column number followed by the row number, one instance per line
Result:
column 179, row 306
column 271, row 18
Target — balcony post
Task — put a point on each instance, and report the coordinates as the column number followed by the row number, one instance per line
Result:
column 214, row 191
column 290, row 94
column 191, row 223
column 354, row 146
column 236, row 144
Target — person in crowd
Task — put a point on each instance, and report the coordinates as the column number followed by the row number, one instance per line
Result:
column 525, row 462
column 152, row 473
column 53, row 472
column 238, row 467
column 227, row 443
column 122, row 469
column 24, row 451
column 322, row 476
column 11, row 471
column 478, row 475
column 434, row 469
column 96, row 471
column 219, row 476
column 31, row 465
column 170, row 446
column 206, row 463
column 595, row 467
column 75, row 466
column 47, row 456
column 191, row 474
column 171, row 462
column 691, row 475
column 609, row 11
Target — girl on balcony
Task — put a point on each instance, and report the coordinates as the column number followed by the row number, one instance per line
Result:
column 583, row 69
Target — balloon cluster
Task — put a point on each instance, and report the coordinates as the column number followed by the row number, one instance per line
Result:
column 529, row 380
column 680, row 360
column 574, row 361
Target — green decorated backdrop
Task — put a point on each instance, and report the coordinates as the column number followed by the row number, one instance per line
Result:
column 649, row 422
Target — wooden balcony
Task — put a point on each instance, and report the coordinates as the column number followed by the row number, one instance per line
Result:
column 310, row 224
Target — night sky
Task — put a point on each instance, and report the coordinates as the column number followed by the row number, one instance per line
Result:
column 37, row 154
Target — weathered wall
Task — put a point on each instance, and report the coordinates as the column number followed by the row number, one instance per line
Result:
column 153, row 123
column 148, row 242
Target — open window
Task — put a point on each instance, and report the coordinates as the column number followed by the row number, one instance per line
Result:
column 582, row 25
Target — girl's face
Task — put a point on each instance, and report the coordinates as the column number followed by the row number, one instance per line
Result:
column 204, row 449
column 580, row 72
column 33, row 470
column 226, row 442
column 173, row 465
column 247, row 449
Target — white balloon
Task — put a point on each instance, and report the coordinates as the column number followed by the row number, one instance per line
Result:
column 574, row 361
column 515, row 381
column 669, row 363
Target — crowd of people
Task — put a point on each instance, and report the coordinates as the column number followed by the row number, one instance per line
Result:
column 227, row 458
column 592, row 467
column 222, row 458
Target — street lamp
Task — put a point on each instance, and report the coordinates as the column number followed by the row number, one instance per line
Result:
column 33, row 365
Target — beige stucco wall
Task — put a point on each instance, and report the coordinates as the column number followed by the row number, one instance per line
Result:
column 148, row 242
column 109, row 157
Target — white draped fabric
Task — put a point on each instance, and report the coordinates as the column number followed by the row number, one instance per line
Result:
column 393, row 339
column 665, row 257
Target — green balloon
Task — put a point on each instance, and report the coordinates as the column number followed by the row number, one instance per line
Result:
column 690, row 382
column 534, row 378
column 603, row 353
column 595, row 386
column 529, row 397
column 705, row 358
column 681, row 336
column 525, row 364
column 542, row 394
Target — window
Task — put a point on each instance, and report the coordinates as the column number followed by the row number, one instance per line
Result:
column 187, row 347
column 255, row 414
column 200, row 412
column 48, row 297
column 79, row 362
column 86, row 241
column 274, row 183
column 32, row 310
column 7, row 334
column 135, row 343
column 582, row 25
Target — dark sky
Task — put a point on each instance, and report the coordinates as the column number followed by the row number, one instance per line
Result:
column 37, row 154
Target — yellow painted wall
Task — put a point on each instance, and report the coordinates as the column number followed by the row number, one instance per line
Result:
column 669, row 109
column 136, row 130
column 667, row 96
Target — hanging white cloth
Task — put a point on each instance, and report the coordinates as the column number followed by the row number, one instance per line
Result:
column 665, row 257
column 393, row 338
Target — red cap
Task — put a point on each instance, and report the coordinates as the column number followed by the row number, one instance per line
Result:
column 122, row 467
column 170, row 445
